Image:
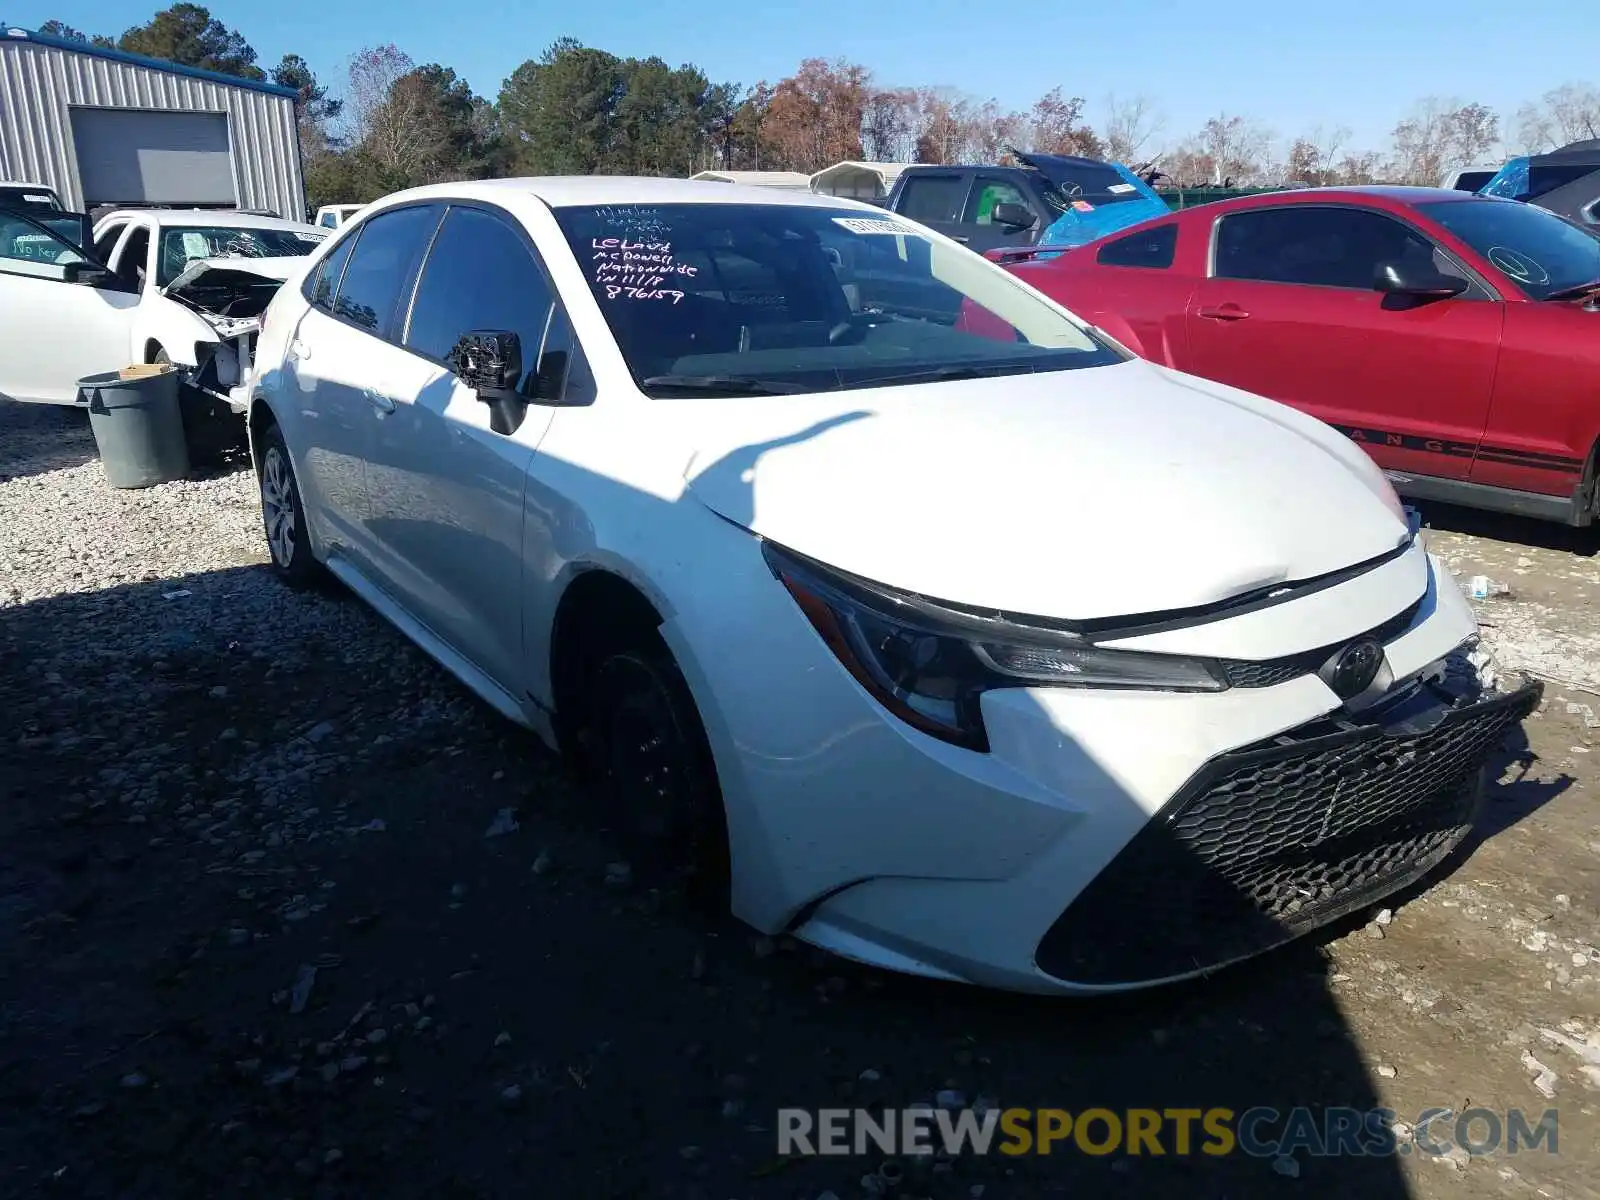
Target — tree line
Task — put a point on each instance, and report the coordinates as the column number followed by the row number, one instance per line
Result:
column 577, row 109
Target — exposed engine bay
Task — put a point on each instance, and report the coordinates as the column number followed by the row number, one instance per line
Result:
column 229, row 294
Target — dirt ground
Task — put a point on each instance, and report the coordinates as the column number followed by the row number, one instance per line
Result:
column 285, row 913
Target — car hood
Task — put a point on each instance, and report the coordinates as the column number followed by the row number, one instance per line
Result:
column 1102, row 492
column 219, row 270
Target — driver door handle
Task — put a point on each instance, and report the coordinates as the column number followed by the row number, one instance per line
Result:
column 378, row 400
column 1223, row 312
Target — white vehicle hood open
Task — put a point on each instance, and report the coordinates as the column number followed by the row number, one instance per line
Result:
column 1102, row 492
column 279, row 269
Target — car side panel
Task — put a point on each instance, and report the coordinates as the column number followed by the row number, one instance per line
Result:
column 1543, row 418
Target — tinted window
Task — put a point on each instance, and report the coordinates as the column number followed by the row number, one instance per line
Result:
column 782, row 298
column 329, row 220
column 1147, row 248
column 324, row 281
column 1325, row 247
column 479, row 275
column 989, row 193
column 135, row 258
column 1538, row 251
column 26, row 248
column 386, row 254
column 932, row 198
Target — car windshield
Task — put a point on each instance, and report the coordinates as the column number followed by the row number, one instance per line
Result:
column 181, row 245
column 763, row 298
column 1540, row 252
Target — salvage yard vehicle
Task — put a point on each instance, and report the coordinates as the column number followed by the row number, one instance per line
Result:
column 331, row 216
column 155, row 285
column 1453, row 336
column 845, row 612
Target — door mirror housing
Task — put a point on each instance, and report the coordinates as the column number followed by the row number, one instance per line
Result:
column 93, row 275
column 1416, row 283
column 489, row 361
column 1012, row 216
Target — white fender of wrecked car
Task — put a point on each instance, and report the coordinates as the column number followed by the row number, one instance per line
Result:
column 171, row 326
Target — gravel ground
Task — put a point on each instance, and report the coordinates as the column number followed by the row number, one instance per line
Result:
column 286, row 913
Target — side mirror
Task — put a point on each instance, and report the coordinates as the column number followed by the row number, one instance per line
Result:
column 92, row 275
column 1013, row 216
column 489, row 361
column 1416, row 283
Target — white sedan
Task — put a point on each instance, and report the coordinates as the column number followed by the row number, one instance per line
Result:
column 185, row 286
column 1002, row 657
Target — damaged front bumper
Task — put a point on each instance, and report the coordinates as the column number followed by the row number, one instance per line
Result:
column 1273, row 840
column 229, row 295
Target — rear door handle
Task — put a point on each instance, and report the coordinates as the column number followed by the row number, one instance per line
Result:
column 378, row 401
column 962, row 240
column 298, row 349
column 1223, row 312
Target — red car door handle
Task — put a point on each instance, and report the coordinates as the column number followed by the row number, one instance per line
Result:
column 1224, row 312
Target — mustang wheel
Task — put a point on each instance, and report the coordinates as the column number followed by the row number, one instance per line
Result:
column 283, row 515
column 649, row 756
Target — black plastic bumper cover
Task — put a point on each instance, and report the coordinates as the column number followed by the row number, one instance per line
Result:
column 1267, row 843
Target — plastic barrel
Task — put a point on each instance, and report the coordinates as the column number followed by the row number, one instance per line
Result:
column 137, row 425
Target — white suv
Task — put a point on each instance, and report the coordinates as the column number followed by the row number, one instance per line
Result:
column 874, row 591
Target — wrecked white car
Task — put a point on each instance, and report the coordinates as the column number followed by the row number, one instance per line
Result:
column 166, row 285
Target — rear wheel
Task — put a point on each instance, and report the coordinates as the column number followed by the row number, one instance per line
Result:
column 283, row 514
column 644, row 749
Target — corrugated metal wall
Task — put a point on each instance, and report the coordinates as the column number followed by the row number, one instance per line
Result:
column 38, row 85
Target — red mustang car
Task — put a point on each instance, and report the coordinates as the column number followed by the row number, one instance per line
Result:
column 1456, row 337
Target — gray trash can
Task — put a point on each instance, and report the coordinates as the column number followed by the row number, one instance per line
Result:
column 137, row 424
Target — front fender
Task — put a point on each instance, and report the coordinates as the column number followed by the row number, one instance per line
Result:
column 171, row 326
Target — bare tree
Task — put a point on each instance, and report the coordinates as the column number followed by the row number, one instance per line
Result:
column 1313, row 156
column 1128, row 127
column 1569, row 113
column 1440, row 135
column 1229, row 150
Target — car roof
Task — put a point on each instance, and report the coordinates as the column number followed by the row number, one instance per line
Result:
column 561, row 191
column 1395, row 193
column 210, row 217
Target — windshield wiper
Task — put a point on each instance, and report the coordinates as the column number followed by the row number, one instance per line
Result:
column 1572, row 293
column 968, row 371
column 736, row 384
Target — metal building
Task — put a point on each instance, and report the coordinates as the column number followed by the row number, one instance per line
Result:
column 106, row 128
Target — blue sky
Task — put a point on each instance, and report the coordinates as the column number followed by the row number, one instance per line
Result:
column 1359, row 63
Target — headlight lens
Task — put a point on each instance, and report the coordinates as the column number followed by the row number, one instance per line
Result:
column 929, row 666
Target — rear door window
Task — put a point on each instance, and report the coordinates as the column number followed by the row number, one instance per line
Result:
column 932, row 198
column 381, row 266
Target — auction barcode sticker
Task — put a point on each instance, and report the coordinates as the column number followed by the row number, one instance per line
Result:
column 871, row 225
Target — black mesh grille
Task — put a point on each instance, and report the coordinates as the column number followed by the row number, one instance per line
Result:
column 1274, row 671
column 1268, row 842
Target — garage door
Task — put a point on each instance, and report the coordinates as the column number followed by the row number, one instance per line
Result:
column 147, row 156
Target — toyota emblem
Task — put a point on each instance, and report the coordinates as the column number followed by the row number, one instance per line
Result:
column 1352, row 670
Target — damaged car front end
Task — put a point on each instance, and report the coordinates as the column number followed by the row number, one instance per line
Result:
column 229, row 295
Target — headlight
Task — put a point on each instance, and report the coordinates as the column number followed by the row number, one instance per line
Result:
column 929, row 665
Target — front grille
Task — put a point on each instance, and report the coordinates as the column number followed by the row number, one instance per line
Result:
column 1268, row 842
column 1273, row 671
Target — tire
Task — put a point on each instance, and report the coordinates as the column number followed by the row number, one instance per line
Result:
column 645, row 752
column 283, row 519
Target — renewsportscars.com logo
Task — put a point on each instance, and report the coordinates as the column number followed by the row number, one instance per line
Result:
column 1215, row 1132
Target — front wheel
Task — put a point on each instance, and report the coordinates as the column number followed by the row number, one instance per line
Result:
column 648, row 754
column 283, row 514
